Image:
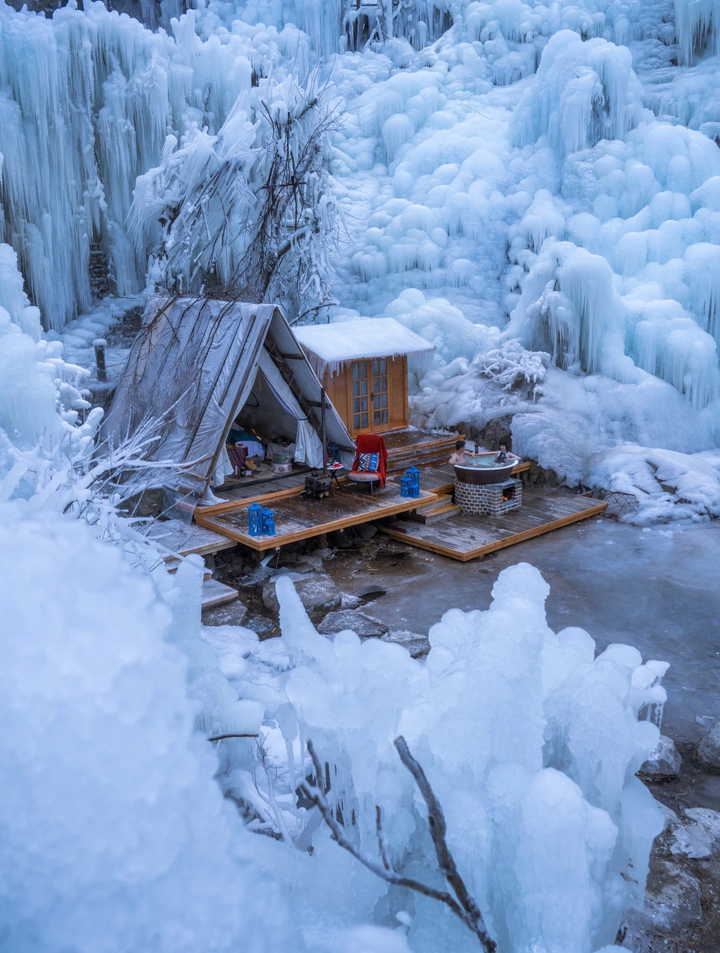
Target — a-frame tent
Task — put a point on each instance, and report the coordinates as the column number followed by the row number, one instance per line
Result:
column 192, row 368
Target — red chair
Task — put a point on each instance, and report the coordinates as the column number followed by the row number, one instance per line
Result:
column 370, row 443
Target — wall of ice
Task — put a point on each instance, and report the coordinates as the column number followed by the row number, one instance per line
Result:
column 114, row 834
column 609, row 212
column 529, row 741
column 546, row 163
column 46, row 422
column 87, row 102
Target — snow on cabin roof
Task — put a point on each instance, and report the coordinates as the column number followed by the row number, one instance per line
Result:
column 333, row 344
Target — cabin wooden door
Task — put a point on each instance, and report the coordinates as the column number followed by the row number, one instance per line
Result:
column 360, row 378
column 377, row 395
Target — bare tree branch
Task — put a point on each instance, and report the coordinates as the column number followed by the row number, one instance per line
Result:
column 317, row 794
column 222, row 737
column 382, row 844
column 438, row 832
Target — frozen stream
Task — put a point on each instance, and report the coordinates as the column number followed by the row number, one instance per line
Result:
column 654, row 589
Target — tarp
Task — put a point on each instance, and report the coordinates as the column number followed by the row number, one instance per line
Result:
column 192, row 367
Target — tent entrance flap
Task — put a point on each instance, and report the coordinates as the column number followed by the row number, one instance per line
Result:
column 273, row 412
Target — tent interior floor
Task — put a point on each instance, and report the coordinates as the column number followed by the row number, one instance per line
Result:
column 249, row 488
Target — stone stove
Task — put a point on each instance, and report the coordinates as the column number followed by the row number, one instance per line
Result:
column 492, row 499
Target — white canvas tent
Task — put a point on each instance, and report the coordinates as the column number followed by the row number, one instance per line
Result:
column 196, row 363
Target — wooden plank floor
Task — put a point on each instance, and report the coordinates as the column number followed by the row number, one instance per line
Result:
column 299, row 518
column 249, row 489
column 467, row 537
column 182, row 539
column 268, row 488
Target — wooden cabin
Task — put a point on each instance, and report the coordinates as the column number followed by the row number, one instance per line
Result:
column 363, row 366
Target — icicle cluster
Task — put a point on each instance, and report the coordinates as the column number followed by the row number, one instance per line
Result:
column 87, row 101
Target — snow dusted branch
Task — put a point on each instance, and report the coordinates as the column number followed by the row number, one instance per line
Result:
column 465, row 907
column 247, row 214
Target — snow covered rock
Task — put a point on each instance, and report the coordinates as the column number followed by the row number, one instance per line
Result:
column 709, row 747
column 318, row 594
column 357, row 622
column 672, row 903
column 350, row 601
column 230, row 613
column 417, row 645
column 701, row 837
column 664, row 763
column 620, row 504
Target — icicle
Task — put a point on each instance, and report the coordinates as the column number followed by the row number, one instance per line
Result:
column 697, row 22
column 703, row 264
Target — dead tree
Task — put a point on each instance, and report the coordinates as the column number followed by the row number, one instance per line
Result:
column 295, row 219
column 460, row 901
column 253, row 218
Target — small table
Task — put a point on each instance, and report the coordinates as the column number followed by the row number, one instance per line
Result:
column 334, row 474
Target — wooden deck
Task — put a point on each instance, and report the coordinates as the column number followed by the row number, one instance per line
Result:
column 175, row 538
column 437, row 477
column 298, row 518
column 405, row 448
column 468, row 537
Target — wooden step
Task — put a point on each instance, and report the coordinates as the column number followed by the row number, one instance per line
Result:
column 216, row 593
column 175, row 537
column 442, row 500
column 443, row 513
column 429, row 516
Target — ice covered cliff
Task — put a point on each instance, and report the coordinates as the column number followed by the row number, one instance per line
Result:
column 537, row 176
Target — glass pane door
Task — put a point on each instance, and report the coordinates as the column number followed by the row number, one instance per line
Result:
column 379, row 392
column 360, row 396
